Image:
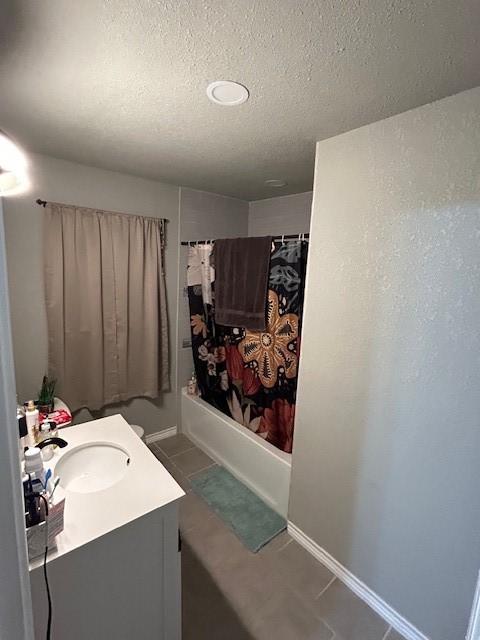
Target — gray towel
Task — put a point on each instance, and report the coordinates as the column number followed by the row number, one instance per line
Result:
column 241, row 280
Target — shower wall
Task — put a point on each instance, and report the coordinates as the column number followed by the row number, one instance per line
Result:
column 283, row 214
column 206, row 215
column 203, row 216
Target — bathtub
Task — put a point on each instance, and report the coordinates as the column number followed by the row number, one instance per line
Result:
column 255, row 462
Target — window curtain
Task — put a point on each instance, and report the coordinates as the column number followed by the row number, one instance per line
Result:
column 106, row 305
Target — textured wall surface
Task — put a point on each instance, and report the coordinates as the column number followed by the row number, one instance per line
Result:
column 385, row 460
column 62, row 181
column 121, row 85
column 284, row 214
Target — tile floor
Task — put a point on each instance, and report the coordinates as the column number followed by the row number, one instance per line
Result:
column 229, row 593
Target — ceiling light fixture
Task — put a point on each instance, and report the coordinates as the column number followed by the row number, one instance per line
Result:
column 275, row 183
column 13, row 167
column 227, row 93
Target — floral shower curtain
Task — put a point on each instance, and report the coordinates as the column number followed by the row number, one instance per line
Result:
column 250, row 375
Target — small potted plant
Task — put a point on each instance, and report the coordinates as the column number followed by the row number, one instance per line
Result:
column 46, row 395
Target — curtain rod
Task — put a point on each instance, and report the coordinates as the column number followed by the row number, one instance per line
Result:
column 43, row 203
column 292, row 236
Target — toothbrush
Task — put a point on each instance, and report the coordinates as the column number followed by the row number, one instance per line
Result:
column 55, row 485
column 48, row 475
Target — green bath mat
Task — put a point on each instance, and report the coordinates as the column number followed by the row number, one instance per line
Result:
column 250, row 518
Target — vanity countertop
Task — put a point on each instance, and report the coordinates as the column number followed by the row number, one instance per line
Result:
column 146, row 486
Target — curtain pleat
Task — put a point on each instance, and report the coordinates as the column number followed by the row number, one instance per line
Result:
column 106, row 305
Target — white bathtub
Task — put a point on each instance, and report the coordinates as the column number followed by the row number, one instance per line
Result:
column 255, row 462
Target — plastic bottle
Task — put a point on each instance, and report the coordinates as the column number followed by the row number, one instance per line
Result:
column 45, row 432
column 32, row 416
column 192, row 385
column 34, row 464
column 22, row 430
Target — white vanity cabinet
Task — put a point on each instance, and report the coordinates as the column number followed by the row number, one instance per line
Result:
column 116, row 572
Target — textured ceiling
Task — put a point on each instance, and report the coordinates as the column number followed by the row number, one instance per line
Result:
column 120, row 84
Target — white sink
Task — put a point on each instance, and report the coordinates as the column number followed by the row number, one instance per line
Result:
column 92, row 467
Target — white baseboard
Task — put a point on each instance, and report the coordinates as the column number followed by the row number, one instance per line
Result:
column 388, row 613
column 161, row 435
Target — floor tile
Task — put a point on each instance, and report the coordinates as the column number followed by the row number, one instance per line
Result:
column 286, row 617
column 180, row 477
column 276, row 544
column 214, row 544
column 282, row 592
column 248, row 581
column 300, row 570
column 158, row 453
column 192, row 461
column 206, row 612
column 393, row 635
column 193, row 512
column 348, row 616
column 175, row 444
column 172, row 469
column 256, row 592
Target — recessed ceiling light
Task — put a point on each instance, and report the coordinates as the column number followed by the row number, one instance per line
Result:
column 275, row 183
column 227, row 93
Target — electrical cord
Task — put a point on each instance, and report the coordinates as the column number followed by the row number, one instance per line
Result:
column 45, row 574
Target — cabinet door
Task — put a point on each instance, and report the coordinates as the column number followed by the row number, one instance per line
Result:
column 123, row 585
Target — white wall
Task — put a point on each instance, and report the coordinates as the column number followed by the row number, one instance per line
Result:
column 283, row 214
column 15, row 602
column 62, row 181
column 386, row 452
column 203, row 216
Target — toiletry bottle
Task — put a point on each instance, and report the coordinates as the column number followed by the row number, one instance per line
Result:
column 22, row 430
column 34, row 464
column 31, row 415
column 192, row 385
column 47, row 452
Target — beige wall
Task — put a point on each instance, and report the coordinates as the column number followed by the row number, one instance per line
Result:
column 203, row 216
column 386, row 452
column 62, row 181
column 283, row 214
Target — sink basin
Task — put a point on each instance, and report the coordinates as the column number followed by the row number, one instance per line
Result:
column 92, row 467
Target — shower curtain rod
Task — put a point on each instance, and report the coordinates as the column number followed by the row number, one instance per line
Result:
column 291, row 236
column 43, row 203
